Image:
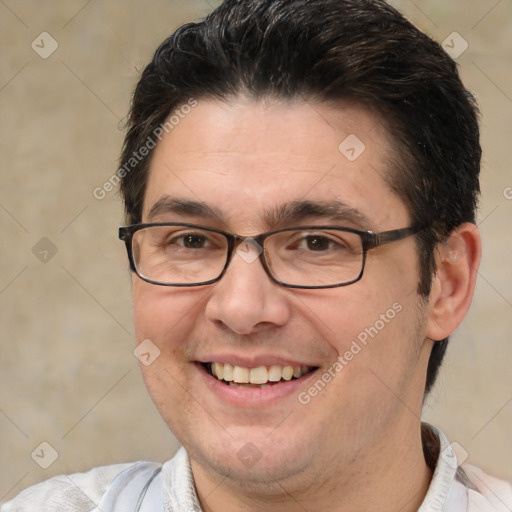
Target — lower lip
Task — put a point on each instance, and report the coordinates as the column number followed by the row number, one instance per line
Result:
column 249, row 396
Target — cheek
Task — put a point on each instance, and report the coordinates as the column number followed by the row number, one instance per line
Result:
column 165, row 315
column 347, row 314
column 369, row 327
column 376, row 342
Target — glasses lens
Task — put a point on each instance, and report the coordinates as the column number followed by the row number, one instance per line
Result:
column 178, row 254
column 315, row 257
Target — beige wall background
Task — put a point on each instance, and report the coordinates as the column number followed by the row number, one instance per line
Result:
column 68, row 374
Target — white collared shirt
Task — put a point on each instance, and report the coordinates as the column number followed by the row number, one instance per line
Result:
column 169, row 487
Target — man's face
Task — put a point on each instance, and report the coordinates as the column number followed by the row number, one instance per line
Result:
column 364, row 342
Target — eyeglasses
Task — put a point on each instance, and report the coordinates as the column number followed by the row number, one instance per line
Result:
column 176, row 254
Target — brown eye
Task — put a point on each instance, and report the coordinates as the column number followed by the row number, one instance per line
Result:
column 318, row 243
column 193, row 241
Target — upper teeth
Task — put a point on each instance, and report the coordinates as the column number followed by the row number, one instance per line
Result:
column 259, row 375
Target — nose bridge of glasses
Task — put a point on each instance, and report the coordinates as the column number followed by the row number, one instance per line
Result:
column 248, row 248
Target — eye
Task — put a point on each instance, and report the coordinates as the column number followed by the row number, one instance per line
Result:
column 190, row 241
column 193, row 240
column 320, row 242
column 316, row 243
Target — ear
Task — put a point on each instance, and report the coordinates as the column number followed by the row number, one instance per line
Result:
column 453, row 284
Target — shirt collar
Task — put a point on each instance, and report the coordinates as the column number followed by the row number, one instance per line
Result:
column 180, row 493
column 443, row 462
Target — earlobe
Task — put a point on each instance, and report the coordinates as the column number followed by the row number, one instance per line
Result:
column 453, row 284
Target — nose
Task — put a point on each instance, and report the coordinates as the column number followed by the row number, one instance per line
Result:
column 246, row 300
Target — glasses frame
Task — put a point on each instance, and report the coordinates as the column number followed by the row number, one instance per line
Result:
column 369, row 239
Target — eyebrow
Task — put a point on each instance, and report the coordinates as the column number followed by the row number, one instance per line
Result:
column 285, row 214
column 173, row 205
column 334, row 210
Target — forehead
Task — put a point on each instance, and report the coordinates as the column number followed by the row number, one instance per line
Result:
column 243, row 159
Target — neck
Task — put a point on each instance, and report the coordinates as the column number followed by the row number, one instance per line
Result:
column 392, row 475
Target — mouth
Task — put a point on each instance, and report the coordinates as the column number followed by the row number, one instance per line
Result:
column 259, row 377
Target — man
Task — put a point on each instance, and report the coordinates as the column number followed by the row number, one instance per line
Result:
column 300, row 182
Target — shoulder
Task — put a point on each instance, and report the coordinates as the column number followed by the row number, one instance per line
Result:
column 487, row 491
column 457, row 486
column 80, row 492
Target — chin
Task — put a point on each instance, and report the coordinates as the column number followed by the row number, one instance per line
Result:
column 249, row 466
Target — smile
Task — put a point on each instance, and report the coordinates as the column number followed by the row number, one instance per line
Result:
column 261, row 377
